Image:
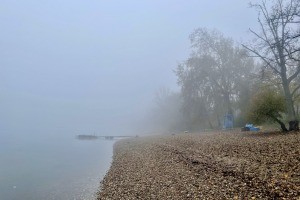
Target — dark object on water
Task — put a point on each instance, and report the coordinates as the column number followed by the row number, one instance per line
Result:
column 109, row 137
column 106, row 137
column 87, row 137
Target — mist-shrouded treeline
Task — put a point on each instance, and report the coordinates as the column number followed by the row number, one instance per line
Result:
column 222, row 77
column 93, row 67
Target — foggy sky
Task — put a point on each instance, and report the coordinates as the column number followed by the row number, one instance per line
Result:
column 82, row 66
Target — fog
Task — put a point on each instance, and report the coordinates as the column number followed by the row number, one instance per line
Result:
column 81, row 67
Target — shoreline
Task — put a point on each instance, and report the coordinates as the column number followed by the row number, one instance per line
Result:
column 221, row 165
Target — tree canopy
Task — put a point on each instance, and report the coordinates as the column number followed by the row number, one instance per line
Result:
column 211, row 78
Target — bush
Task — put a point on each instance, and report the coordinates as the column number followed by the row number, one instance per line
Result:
column 267, row 105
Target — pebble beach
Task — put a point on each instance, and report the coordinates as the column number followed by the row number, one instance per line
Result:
column 219, row 165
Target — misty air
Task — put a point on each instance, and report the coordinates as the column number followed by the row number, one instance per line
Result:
column 149, row 99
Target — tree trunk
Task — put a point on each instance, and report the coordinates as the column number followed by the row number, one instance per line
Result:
column 293, row 122
column 282, row 125
column 219, row 122
column 294, row 125
column 210, row 124
column 228, row 103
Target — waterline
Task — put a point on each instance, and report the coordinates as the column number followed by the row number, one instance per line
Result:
column 43, row 168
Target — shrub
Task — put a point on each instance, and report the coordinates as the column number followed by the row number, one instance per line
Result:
column 267, row 105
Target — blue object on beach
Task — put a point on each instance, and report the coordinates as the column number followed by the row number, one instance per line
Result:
column 228, row 121
column 249, row 125
column 252, row 128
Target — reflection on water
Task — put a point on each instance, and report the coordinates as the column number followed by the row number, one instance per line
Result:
column 52, row 168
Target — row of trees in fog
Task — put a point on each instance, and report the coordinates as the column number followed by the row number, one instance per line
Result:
column 255, row 82
column 214, row 79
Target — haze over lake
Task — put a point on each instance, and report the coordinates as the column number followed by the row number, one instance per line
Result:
column 52, row 167
column 83, row 67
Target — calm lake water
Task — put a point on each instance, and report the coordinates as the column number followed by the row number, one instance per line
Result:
column 52, row 167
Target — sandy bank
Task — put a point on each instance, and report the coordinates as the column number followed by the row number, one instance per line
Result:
column 205, row 166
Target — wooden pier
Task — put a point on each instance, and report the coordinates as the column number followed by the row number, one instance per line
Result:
column 106, row 137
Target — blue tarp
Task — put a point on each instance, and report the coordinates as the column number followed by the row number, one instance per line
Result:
column 252, row 128
column 228, row 121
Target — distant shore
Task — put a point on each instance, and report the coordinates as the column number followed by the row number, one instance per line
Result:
column 224, row 165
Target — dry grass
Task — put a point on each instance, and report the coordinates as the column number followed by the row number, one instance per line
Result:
column 229, row 165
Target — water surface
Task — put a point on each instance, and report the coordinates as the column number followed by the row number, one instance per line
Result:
column 51, row 167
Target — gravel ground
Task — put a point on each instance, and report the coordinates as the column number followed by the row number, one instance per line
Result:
column 228, row 165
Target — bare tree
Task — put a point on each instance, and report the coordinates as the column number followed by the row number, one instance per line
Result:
column 277, row 45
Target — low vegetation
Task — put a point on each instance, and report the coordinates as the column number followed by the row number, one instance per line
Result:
column 267, row 105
